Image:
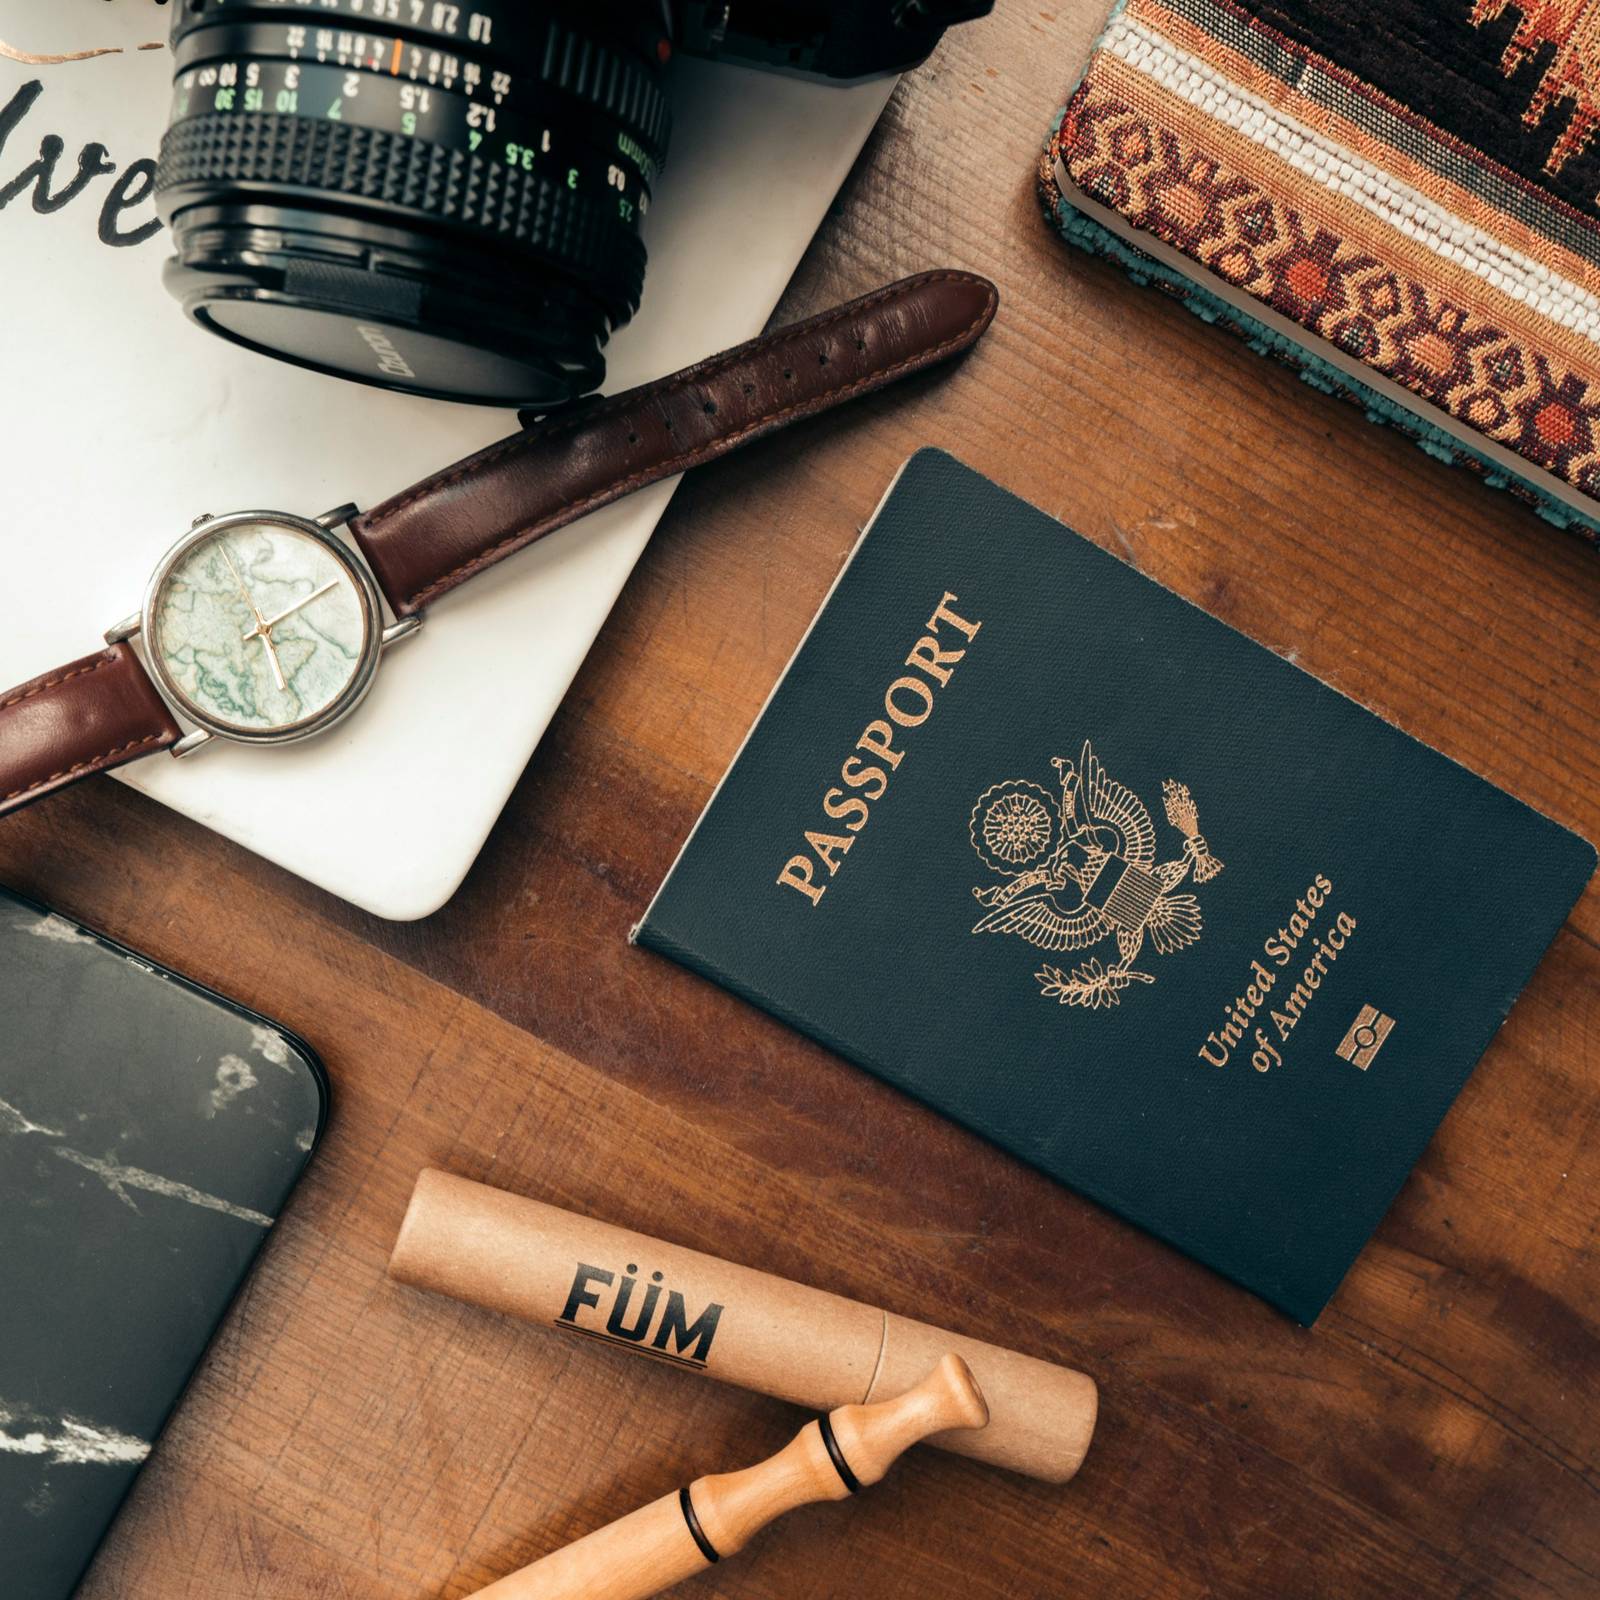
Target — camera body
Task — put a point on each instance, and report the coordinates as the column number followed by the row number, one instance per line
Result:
column 841, row 40
column 446, row 198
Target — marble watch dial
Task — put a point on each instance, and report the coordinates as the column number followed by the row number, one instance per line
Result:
column 259, row 628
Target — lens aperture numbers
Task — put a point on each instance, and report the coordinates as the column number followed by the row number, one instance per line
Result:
column 501, row 27
column 571, row 145
column 379, row 53
column 468, row 178
column 553, row 61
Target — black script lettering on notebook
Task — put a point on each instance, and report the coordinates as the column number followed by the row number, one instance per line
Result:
column 51, row 191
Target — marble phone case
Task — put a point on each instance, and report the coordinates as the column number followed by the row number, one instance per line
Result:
column 150, row 1134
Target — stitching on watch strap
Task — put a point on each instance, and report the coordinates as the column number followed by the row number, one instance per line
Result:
column 105, row 660
column 684, row 459
column 671, row 383
column 84, row 768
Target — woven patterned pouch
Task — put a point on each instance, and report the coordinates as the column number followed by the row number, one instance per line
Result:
column 1400, row 198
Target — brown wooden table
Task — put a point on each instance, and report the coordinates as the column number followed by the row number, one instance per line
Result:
column 1437, row 1434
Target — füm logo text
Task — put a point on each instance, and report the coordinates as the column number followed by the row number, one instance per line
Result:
column 673, row 1335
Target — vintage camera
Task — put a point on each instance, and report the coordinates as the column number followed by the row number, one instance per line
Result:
column 446, row 198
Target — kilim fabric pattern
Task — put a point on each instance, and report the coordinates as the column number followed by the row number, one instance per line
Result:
column 1470, row 281
column 1513, row 79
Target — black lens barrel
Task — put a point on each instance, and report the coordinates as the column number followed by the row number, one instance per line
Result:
column 430, row 196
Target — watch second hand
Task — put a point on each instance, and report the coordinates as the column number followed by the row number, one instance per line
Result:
column 262, row 629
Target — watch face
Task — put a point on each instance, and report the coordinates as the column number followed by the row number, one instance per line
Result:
column 262, row 628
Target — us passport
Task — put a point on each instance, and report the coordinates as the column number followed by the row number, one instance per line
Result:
column 1077, row 864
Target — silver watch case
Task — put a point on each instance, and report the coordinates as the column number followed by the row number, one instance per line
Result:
column 377, row 636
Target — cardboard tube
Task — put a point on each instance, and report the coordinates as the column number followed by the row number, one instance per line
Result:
column 626, row 1290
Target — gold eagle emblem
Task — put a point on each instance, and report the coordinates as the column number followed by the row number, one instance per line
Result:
column 1081, row 868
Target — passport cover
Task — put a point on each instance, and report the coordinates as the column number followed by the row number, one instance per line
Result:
column 1075, row 863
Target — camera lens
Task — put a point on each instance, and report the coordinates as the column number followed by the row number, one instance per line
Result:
column 438, row 198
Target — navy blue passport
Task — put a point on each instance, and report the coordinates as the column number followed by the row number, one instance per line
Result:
column 1080, row 866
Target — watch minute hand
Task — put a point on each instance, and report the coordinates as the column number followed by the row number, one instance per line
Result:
column 300, row 605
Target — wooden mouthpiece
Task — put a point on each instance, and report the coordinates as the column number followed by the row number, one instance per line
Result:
column 684, row 1533
column 870, row 1438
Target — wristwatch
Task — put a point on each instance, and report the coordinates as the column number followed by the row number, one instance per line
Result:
column 265, row 628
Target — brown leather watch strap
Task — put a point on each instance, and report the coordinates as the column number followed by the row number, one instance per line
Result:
column 464, row 519
column 82, row 718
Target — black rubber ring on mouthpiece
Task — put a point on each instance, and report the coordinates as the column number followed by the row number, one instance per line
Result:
column 696, row 1532
column 836, row 1455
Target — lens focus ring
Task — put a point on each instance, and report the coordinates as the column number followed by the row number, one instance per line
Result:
column 441, row 198
column 521, row 208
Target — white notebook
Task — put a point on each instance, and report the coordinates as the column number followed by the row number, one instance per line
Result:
column 122, row 422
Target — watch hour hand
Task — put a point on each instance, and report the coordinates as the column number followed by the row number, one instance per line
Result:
column 263, row 628
column 263, row 632
column 265, row 625
column 277, row 665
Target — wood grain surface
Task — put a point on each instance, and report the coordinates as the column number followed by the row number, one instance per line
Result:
column 1437, row 1434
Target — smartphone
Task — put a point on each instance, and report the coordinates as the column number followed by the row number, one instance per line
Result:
column 150, row 1134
